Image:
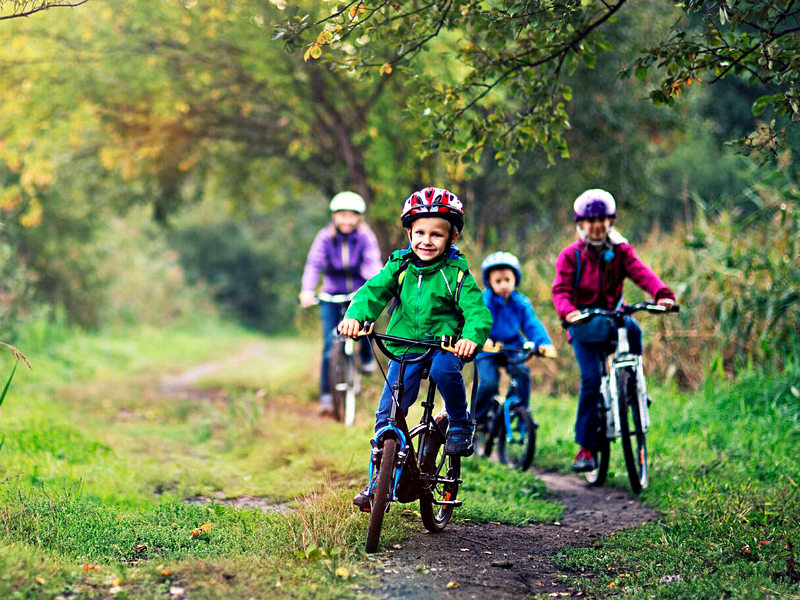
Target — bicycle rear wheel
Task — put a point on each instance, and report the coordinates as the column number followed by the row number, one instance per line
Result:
column 517, row 447
column 631, row 429
column 441, row 473
column 337, row 378
column 486, row 432
column 383, row 490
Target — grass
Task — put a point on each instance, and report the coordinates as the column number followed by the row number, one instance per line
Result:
column 100, row 458
column 725, row 483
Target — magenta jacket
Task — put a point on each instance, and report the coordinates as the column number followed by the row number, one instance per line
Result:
column 344, row 261
column 601, row 283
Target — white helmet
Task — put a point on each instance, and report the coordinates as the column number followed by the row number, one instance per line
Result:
column 348, row 201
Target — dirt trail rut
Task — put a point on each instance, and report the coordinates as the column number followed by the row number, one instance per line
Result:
column 503, row 561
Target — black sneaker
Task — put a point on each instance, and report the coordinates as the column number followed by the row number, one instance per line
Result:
column 459, row 439
column 362, row 500
column 584, row 461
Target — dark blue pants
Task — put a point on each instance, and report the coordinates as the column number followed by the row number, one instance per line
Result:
column 489, row 381
column 445, row 371
column 331, row 313
column 589, row 357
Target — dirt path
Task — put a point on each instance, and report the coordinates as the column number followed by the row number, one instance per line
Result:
column 503, row 561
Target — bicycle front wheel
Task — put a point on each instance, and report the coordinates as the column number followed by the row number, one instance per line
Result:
column 440, row 473
column 517, row 446
column 632, row 431
column 383, row 490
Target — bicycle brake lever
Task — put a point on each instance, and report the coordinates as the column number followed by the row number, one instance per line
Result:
column 447, row 344
column 367, row 330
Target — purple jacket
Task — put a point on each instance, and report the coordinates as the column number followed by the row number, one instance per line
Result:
column 600, row 285
column 345, row 261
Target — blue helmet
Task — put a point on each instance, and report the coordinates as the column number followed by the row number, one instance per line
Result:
column 501, row 259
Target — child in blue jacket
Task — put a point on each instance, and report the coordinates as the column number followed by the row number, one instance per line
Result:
column 513, row 318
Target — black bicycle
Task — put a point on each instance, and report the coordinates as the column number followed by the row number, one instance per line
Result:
column 509, row 421
column 624, row 403
column 407, row 465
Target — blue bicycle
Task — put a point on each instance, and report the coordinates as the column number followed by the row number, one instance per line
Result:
column 410, row 464
column 509, row 422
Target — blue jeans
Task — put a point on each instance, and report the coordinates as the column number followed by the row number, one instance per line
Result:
column 589, row 357
column 489, row 382
column 445, row 371
column 332, row 313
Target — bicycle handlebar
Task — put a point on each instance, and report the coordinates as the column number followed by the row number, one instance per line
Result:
column 445, row 343
column 624, row 310
column 526, row 353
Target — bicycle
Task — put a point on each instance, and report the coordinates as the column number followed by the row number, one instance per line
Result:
column 624, row 403
column 407, row 465
column 343, row 375
column 509, row 420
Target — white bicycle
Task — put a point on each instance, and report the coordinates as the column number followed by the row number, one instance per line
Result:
column 344, row 376
column 624, row 405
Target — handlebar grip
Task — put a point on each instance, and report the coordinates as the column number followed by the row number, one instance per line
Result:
column 548, row 352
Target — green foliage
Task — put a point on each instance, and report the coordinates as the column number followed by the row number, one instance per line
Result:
column 493, row 492
column 512, row 95
column 724, row 480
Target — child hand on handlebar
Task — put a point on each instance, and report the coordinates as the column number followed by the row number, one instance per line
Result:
column 465, row 348
column 349, row 328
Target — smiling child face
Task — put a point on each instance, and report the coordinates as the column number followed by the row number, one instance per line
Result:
column 429, row 236
column 502, row 281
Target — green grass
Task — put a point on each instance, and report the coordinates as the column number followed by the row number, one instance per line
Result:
column 725, row 481
column 99, row 460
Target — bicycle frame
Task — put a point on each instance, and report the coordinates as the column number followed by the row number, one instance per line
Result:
column 407, row 461
column 623, row 358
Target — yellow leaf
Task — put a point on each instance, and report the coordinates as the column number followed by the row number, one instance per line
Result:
column 386, row 69
column 201, row 530
column 316, row 52
column 452, row 585
column 39, row 580
column 342, row 572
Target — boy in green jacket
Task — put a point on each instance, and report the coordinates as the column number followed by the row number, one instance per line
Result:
column 437, row 296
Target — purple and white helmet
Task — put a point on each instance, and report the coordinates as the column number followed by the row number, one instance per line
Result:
column 595, row 203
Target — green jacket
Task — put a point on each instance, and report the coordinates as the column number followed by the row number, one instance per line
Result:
column 428, row 306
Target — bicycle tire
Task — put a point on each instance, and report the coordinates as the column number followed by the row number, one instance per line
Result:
column 352, row 376
column 598, row 477
column 337, row 379
column 380, row 500
column 486, row 435
column 524, row 437
column 635, row 462
column 436, row 517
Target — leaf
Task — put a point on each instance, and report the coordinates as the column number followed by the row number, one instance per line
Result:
column 342, row 572
column 641, row 73
column 8, row 383
column 201, row 530
column 386, row 69
column 452, row 585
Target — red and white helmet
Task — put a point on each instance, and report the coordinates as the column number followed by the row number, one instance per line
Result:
column 433, row 202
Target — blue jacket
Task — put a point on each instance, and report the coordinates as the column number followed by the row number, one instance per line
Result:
column 513, row 319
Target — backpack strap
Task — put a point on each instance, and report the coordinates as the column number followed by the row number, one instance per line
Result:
column 401, row 276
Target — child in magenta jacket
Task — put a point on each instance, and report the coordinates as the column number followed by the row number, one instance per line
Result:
column 590, row 273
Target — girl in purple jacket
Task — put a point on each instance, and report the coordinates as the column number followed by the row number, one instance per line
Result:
column 346, row 254
column 590, row 274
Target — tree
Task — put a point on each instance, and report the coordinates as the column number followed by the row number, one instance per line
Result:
column 15, row 9
column 516, row 54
